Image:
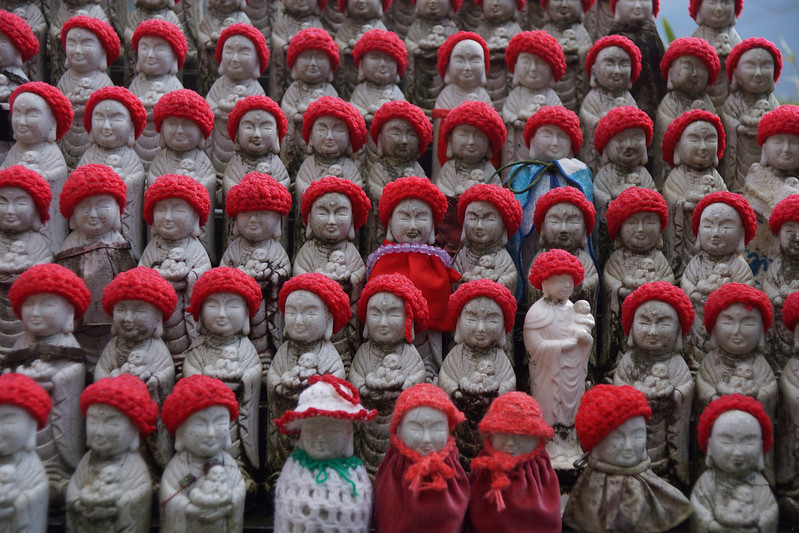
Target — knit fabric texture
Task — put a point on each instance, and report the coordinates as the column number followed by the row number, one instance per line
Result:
column 483, row 288
column 187, row 104
column 734, row 200
column 331, row 184
column 661, row 291
column 503, row 200
column 413, row 115
column 102, row 30
column 541, row 44
column 329, row 106
column 126, row 393
column 59, row 104
column 587, row 4
column 733, row 402
column 784, row 119
column 327, row 290
column 385, row 42
column 50, row 278
column 694, row 5
column 252, row 103
column 411, row 187
column 516, row 413
column 677, row 127
column 635, row 200
column 618, row 41
column 655, row 7
column 165, row 30
column 195, row 393
column 558, row 116
column 790, row 311
column 312, row 39
column 141, row 284
column 177, row 186
column 424, row 395
column 554, row 263
column 20, row 34
column 32, row 183
column 480, row 115
column 138, row 115
column 603, row 408
column 698, row 48
column 400, row 286
column 224, row 279
column 749, row 44
column 567, row 195
column 737, row 293
column 91, row 180
column 257, row 192
column 786, row 210
column 445, row 50
column 620, row 119
column 250, row 32
column 21, row 391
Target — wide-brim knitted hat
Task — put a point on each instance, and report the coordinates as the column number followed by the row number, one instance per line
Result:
column 698, row 48
column 21, row 391
column 138, row 115
column 329, row 184
column 787, row 210
column 187, row 104
column 587, row 5
column 694, row 5
column 733, row 402
column 516, row 413
column 618, row 41
column 635, row 200
column 503, row 200
column 737, row 293
column 126, row 393
column 412, row 187
column 677, row 127
column 620, row 119
column 59, row 104
column 604, row 408
column 193, row 394
column 408, row 112
column 655, row 7
column 344, row 111
column 558, row 116
column 312, row 39
column 415, row 303
column 165, row 30
column 141, row 284
column 385, row 42
column 749, row 44
column 445, row 50
column 425, row 395
column 790, row 311
column 554, row 263
column 487, row 288
column 91, row 180
column 662, row 291
column 50, row 278
column 568, row 195
column 225, row 279
column 734, row 200
column 180, row 187
column 17, row 30
column 480, row 115
column 32, row 183
column 250, row 32
column 784, row 119
column 330, row 292
column 541, row 44
column 257, row 192
column 102, row 30
column 252, row 103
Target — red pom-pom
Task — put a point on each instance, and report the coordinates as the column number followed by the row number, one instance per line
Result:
column 17, row 30
column 516, row 413
column 790, row 311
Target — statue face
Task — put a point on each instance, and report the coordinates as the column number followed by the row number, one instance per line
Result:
column 656, row 327
column 385, row 318
column 738, row 330
column 633, row 10
column 9, row 55
column 17, row 429
column 306, row 316
column 135, row 320
column 364, row 9
column 32, row 120
column 96, row 215
column 781, row 151
column 181, row 134
column 613, row 67
column 18, row 211
column 45, row 314
column 481, row 323
column 224, row 313
column 108, row 431
column 329, row 136
column 512, row 444
column 399, row 140
column 499, row 10
column 466, row 67
column 625, row 446
column 257, row 133
column 174, row 219
column 550, row 143
column 84, row 51
column 754, row 72
column 207, row 432
column 628, row 148
column 564, row 11
column 379, row 68
column 688, row 74
column 331, row 217
column 433, row 9
column 558, row 287
column 112, row 126
column 736, row 443
column 640, row 232
column 698, row 145
column 424, row 430
column 483, row 224
column 563, row 227
column 239, row 58
column 789, row 235
column 532, row 71
column 325, row 438
column 720, row 229
column 300, row 8
column 312, row 67
column 155, row 56
column 256, row 226
column 468, row 143
column 411, row 221
column 716, row 13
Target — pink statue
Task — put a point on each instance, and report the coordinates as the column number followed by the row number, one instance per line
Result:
column 716, row 24
column 360, row 16
column 787, row 414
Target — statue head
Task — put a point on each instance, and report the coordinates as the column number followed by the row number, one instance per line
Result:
column 717, row 14
column 361, row 9
column 655, row 317
column 423, row 419
column 333, row 209
column 483, row 312
column 754, row 66
column 636, row 219
column 515, row 424
column 556, row 273
column 563, row 12
column 634, row 11
column 24, row 408
column 436, row 9
column 239, row 59
column 391, row 307
column 737, row 317
column 225, row 6
column 184, row 120
column 32, row 119
column 90, row 44
column 138, row 300
column 24, row 200
column 314, row 307
column 462, row 60
column 724, row 223
column 695, row 139
column 690, row 65
column 784, row 223
column 176, row 207
column 18, row 43
column 333, row 128
column 300, row 8
column 536, row 60
column 553, row 132
column 401, row 130
column 160, row 47
column 257, row 204
column 92, row 199
column 223, row 300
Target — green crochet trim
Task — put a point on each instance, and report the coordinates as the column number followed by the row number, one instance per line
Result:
column 341, row 466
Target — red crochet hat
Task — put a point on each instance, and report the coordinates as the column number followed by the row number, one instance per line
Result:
column 400, row 286
column 692, row 46
column 312, row 39
column 21, row 391
column 483, row 287
column 483, row 117
column 326, row 396
column 166, row 31
column 733, row 402
column 408, row 112
column 257, row 192
column 538, row 43
column 91, row 180
column 587, row 4
column 694, row 5
column 677, row 127
column 184, row 103
column 618, row 120
column 734, row 200
column 655, row 7
column 250, row 32
column 619, row 41
column 568, row 195
column 790, row 311
column 193, row 394
column 502, row 199
column 553, row 263
column 50, row 278
column 32, row 183
column 749, row 44
column 224, row 279
column 20, row 34
column 661, row 291
column 445, row 50
column 411, row 187
column 786, row 210
column 737, row 293
column 555, row 115
column 360, row 202
column 252, row 103
column 59, row 104
column 635, row 200
column 131, row 102
column 102, row 30
column 176, row 186
column 330, row 292
column 604, row 408
column 424, row 395
column 385, row 42
column 784, row 119
column 516, row 413
column 340, row 109
column 129, row 395
column 142, row 284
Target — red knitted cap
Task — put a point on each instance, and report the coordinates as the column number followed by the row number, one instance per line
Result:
column 619, row 41
column 250, row 32
column 257, row 192
column 677, row 127
column 786, row 210
column 224, row 279
column 569, row 195
column 587, row 5
column 483, row 117
column 603, row 408
column 102, row 30
column 737, row 293
column 555, row 115
column 502, row 199
column 126, row 393
column 193, row 394
column 91, row 180
column 661, row 291
column 131, row 102
column 749, row 44
column 400, row 286
column 408, row 112
column 142, row 284
column 516, row 413
column 733, row 402
column 20, row 34
column 386, row 42
column 50, row 278
column 330, row 292
column 655, row 7
column 340, row 109
column 445, row 50
column 694, row 5
column 166, row 31
column 412, row 187
column 692, row 46
column 312, row 39
column 790, row 311
column 618, row 120
column 184, row 103
column 21, row 391
column 176, row 186
column 59, row 104
column 553, row 263
column 635, row 200
column 483, row 287
column 360, row 202
column 734, row 200
column 32, row 183
column 538, row 43
column 424, row 395
column 252, row 103
column 784, row 119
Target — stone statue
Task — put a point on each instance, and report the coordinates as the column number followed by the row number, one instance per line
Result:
column 21, row 44
column 716, row 24
column 56, row 30
column 145, row 11
column 563, row 21
column 32, row 65
column 599, row 19
column 219, row 15
column 399, row 16
column 380, row 59
column 786, row 467
column 296, row 15
column 497, row 27
column 360, row 17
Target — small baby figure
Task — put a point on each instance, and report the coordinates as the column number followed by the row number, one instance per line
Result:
column 723, row 44
column 537, row 103
column 657, row 382
column 499, row 40
column 484, row 269
column 257, row 265
column 15, row 259
column 152, row 95
column 115, row 162
column 742, row 381
column 8, row 487
column 388, row 375
column 752, row 118
column 174, row 267
column 212, row 493
column 5, row 89
column 239, row 92
column 41, row 371
column 435, row 39
column 475, row 176
column 82, row 92
column 305, row 368
column 645, row 272
column 103, row 491
column 226, row 367
column 31, row 160
column 583, row 321
column 135, row 365
column 568, row 42
column 335, row 170
column 740, row 511
column 336, row 266
column 186, row 168
column 483, row 380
